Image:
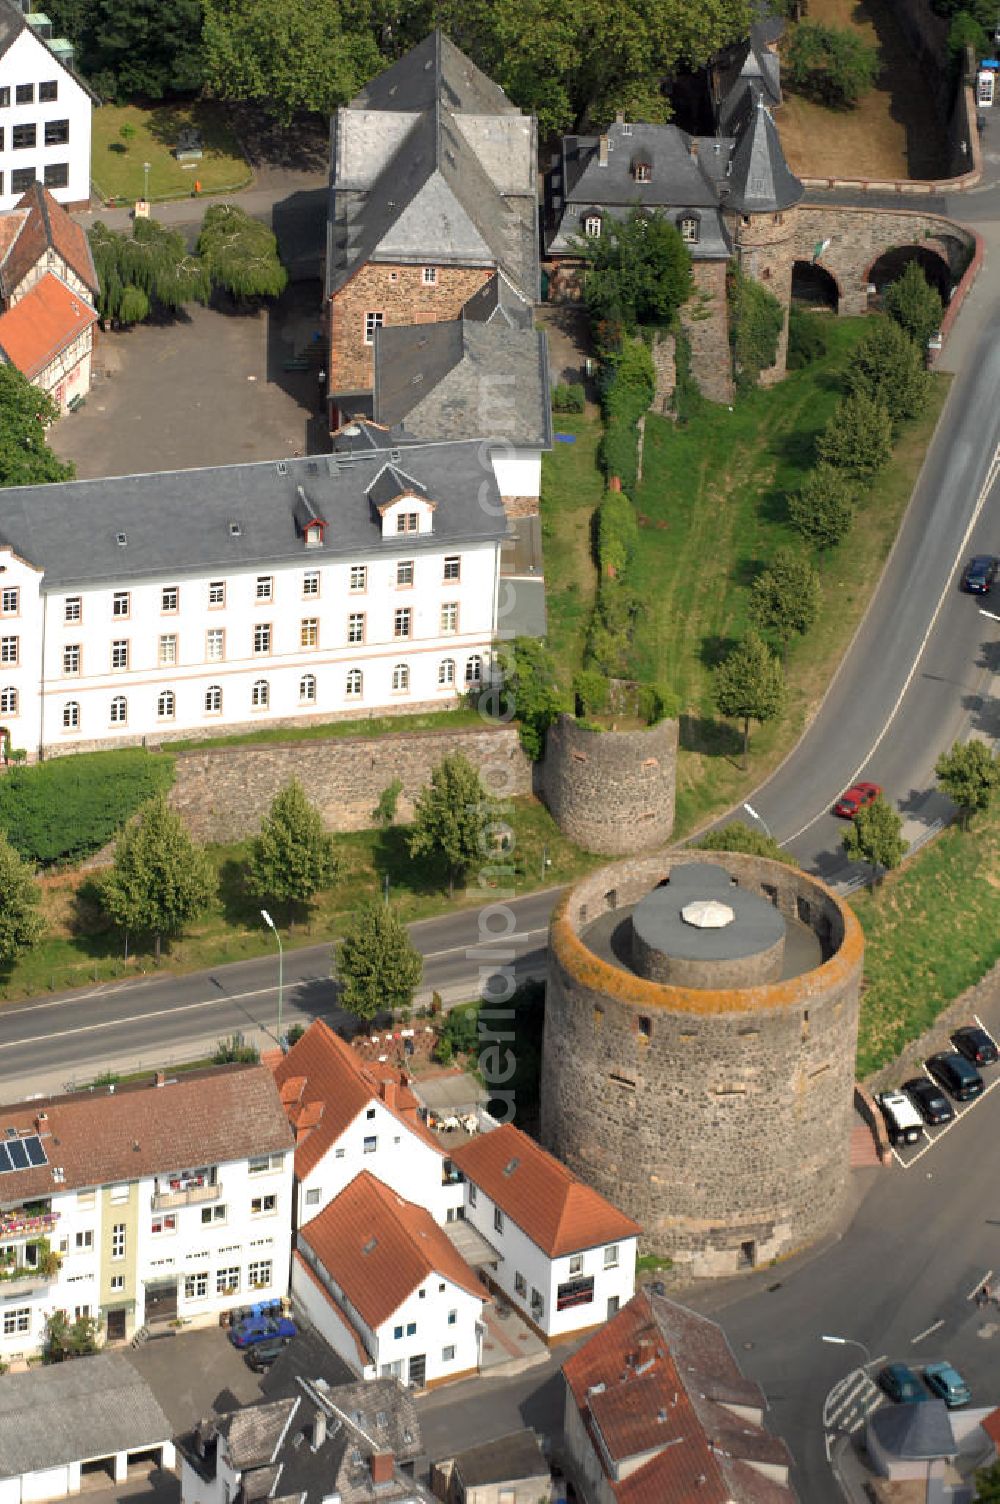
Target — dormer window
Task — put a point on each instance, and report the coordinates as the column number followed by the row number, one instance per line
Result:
column 592, row 225
column 643, row 172
column 314, row 535
column 689, row 229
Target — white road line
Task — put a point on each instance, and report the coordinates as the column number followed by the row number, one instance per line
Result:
column 826, row 1442
column 983, row 1280
column 136, row 1018
column 921, row 1335
column 482, row 941
column 983, row 1027
column 980, row 503
column 908, row 1164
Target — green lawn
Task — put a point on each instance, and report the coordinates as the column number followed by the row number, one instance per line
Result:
column 572, row 487
column 117, row 165
column 78, row 948
column 931, row 931
column 460, row 719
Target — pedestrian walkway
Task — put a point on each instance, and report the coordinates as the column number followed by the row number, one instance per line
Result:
column 864, row 1153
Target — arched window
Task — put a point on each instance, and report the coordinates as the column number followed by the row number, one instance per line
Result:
column 71, row 715
column 401, row 676
column 354, row 683
column 119, row 710
column 260, row 695
column 213, row 699
column 446, row 672
column 8, row 701
column 165, row 705
column 592, row 224
column 307, row 689
column 689, row 229
column 474, row 669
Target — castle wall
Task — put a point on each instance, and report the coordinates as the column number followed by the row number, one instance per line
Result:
column 720, row 1120
column 611, row 791
column 858, row 237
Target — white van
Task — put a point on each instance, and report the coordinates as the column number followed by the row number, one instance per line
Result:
column 902, row 1119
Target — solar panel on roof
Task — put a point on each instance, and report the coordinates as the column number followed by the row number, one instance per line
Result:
column 18, row 1154
column 36, row 1153
column 5, row 1163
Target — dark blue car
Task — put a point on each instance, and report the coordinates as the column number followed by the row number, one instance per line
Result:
column 261, row 1329
column 901, row 1384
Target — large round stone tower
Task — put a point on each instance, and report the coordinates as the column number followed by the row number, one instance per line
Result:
column 611, row 791
column 700, row 1030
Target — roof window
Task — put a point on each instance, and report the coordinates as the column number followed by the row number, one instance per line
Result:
column 235, row 529
column 121, row 540
column 511, row 1166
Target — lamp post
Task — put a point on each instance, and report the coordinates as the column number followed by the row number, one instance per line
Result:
column 850, row 1342
column 281, row 966
column 145, row 181
column 759, row 818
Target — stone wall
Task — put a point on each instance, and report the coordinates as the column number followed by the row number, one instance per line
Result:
column 705, row 322
column 720, row 1120
column 766, row 247
column 224, row 792
column 611, row 791
column 858, row 237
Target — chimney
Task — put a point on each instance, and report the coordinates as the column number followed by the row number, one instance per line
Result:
column 602, row 151
column 319, row 1429
column 694, row 148
column 620, row 118
column 383, row 1467
column 389, row 1093
column 159, row 1079
column 644, row 1357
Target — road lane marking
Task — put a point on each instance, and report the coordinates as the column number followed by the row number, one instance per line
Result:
column 988, row 484
column 979, row 1285
column 936, row 1326
column 947, row 1127
column 487, row 939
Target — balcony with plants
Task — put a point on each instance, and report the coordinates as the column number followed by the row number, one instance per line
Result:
column 29, row 1268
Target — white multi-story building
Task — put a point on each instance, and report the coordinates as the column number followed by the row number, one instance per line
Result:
column 350, row 1117
column 192, row 602
column 45, row 113
column 384, row 1285
column 566, row 1257
column 164, row 1200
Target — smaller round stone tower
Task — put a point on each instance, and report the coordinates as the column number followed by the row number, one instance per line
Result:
column 611, row 791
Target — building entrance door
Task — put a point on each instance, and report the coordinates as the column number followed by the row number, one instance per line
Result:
column 116, row 1326
column 418, row 1371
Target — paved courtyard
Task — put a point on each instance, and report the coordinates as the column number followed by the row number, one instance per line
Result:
column 206, row 389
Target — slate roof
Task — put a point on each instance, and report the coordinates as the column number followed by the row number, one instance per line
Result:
column 74, row 1411
column 253, row 1435
column 181, row 521
column 915, row 1433
column 498, row 301
column 13, row 22
column 508, row 1459
column 43, row 323
column 205, row 1117
column 324, row 1085
column 641, row 1384
column 760, row 181
column 432, row 163
column 750, row 63
column 558, row 1212
column 458, row 378
column 36, row 224
column 379, row 1248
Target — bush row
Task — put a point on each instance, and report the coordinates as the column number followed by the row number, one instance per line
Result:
column 66, row 809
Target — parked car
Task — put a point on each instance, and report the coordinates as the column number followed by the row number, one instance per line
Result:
column 901, row 1117
column 956, row 1074
column 930, row 1101
column 259, row 1329
column 901, row 1384
column 981, row 574
column 975, row 1044
column 855, row 798
column 260, row 1355
column 947, row 1384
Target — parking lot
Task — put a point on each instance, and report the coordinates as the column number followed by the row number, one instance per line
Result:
column 908, row 1155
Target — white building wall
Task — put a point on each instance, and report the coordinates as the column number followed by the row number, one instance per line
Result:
column 20, row 677
column 518, row 471
column 10, row 1490
column 434, row 1333
column 24, row 1310
column 318, row 1310
column 51, row 261
column 50, row 1483
column 383, row 1145
column 436, row 661
column 29, row 61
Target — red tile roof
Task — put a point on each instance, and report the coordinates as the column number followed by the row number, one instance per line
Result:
column 325, row 1085
column 379, row 1248
column 44, row 225
column 556, row 1210
column 42, row 323
column 102, row 1137
column 641, row 1396
column 991, row 1425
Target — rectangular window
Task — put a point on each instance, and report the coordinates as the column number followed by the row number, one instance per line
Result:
column 24, row 94
column 74, row 608
column 373, row 321
column 195, row 1286
column 118, row 1240
column 359, row 577
column 17, row 1320
column 402, row 621
column 520, row 1283
column 407, row 522
column 452, row 567
column 397, row 1332
column 430, row 276
column 217, row 593
column 56, row 132
column 8, row 649
column 48, row 92
column 452, row 1318
column 10, row 601
column 119, row 654
column 86, row 1199
column 117, row 1282
column 57, row 174
column 263, row 1206
column 120, row 603
column 215, row 643
column 356, row 627
column 81, row 1312
column 259, row 1273
column 497, row 1219
column 473, row 1195
column 72, row 655
column 119, row 1192
column 21, row 179
column 166, row 1223
column 449, row 616
column 168, row 651
column 371, row 1144
column 22, row 138
column 227, row 1281
column 310, row 632
column 611, row 1256
column 448, row 1354
column 5, row 97
column 310, row 582
column 312, row 1196
column 404, row 572
column 168, row 598
column 84, row 1240
column 262, row 637
column 265, row 587
column 210, row 1214
column 576, row 1263
column 411, row 1328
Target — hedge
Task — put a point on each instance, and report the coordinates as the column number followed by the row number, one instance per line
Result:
column 66, row 809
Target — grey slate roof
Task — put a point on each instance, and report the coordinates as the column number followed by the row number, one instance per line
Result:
column 459, row 378
column 761, row 181
column 74, row 1411
column 434, row 69
column 252, row 1435
column 915, row 1432
column 238, row 516
column 498, row 301
column 752, row 65
column 506, row 1460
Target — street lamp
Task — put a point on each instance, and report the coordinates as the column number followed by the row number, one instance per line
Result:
column 145, row 181
column 755, row 816
column 281, row 965
column 850, row 1342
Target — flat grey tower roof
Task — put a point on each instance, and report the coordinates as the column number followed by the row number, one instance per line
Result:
column 658, row 919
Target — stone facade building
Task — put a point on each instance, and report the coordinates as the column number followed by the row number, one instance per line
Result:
column 715, row 1105
column 611, row 791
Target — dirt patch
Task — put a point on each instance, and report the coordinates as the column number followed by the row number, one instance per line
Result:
column 893, row 133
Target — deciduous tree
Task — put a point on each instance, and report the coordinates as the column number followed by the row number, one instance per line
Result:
column 527, row 690
column 293, row 856
column 151, row 268
column 20, row 923
column 160, row 880
column 784, row 599
column 830, row 64
column 970, row 775
column 737, row 835
column 639, row 272
column 822, row 509
column 915, row 305
column 857, row 438
column 749, row 685
column 455, row 821
column 129, row 49
column 377, row 964
column 25, row 414
column 889, row 368
column 240, row 253
column 875, row 836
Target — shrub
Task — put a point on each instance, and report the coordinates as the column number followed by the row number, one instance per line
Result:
column 807, row 340
column 966, row 31
column 617, row 535
column 67, row 809
column 235, row 1051
column 831, row 65
column 857, row 438
column 568, row 397
column 619, row 452
column 915, row 305
column 755, row 322
column 657, row 702
column 889, row 367
column 384, row 812
column 591, row 689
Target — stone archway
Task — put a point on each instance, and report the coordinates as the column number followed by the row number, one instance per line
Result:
column 890, row 265
column 813, row 286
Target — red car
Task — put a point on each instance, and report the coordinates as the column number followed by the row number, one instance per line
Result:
column 855, row 798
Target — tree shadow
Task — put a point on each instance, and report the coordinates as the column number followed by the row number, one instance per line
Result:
column 744, row 572
column 238, row 908
column 393, row 861
column 797, row 447
column 710, row 737
column 92, row 930
column 166, row 122
column 773, row 505
column 714, row 648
